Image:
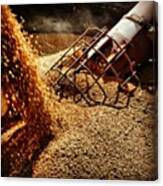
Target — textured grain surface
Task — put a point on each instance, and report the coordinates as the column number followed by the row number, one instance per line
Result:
column 104, row 143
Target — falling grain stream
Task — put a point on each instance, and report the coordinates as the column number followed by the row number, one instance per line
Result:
column 44, row 138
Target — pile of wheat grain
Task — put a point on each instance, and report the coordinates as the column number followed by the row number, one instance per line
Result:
column 96, row 142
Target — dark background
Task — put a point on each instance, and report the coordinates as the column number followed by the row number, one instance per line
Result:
column 67, row 18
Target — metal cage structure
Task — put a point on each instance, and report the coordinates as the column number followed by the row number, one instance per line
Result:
column 75, row 62
column 86, row 69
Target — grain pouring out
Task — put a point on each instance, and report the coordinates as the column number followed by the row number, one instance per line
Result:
column 24, row 96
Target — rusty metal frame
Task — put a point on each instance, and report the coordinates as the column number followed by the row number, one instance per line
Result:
column 82, row 64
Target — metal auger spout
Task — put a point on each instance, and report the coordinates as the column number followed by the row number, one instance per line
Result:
column 111, row 55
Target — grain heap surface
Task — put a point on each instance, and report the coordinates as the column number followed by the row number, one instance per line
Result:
column 104, row 143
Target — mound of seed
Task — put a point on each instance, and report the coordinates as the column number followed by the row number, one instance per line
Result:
column 104, row 143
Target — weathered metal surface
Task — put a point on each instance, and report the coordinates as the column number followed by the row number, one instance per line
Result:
column 108, row 56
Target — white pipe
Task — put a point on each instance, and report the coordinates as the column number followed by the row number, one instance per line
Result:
column 126, row 29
